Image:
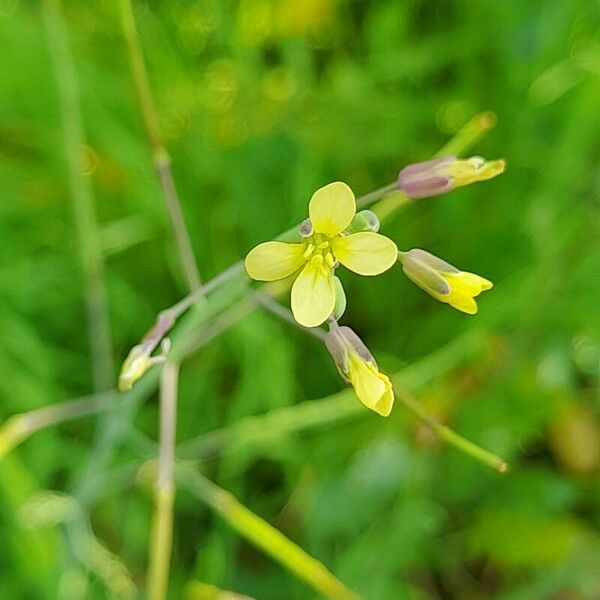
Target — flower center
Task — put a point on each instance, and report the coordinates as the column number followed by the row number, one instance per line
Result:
column 317, row 249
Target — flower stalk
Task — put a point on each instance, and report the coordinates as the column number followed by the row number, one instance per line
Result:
column 265, row 537
column 161, row 539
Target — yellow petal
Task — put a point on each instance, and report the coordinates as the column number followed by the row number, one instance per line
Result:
column 365, row 253
column 467, row 283
column 332, row 208
column 313, row 294
column 372, row 388
column 274, row 260
column 463, row 288
column 463, row 303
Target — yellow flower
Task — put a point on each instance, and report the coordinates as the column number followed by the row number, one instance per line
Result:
column 443, row 281
column 358, row 367
column 325, row 244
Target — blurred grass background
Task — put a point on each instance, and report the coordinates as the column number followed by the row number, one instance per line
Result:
column 261, row 102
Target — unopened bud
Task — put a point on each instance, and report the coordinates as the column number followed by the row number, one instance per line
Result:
column 358, row 368
column 441, row 175
column 340, row 299
column 442, row 280
column 365, row 220
column 138, row 361
column 306, row 228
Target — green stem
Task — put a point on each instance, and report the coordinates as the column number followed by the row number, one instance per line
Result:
column 20, row 427
column 160, row 156
column 449, row 436
column 86, row 224
column 161, row 540
column 330, row 410
column 469, row 134
column 265, row 537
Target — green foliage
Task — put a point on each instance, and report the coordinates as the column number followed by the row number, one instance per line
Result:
column 262, row 102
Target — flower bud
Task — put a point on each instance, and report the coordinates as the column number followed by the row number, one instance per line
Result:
column 306, row 228
column 442, row 280
column 340, row 299
column 365, row 220
column 441, row 175
column 138, row 361
column 358, row 368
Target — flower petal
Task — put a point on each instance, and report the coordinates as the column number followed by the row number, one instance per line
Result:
column 465, row 304
column 271, row 261
column 372, row 388
column 365, row 253
column 464, row 287
column 332, row 208
column 313, row 294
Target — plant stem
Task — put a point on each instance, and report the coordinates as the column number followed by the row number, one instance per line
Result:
column 469, row 134
column 449, row 436
column 265, row 537
column 20, row 427
column 160, row 156
column 88, row 235
column 164, row 492
column 326, row 411
column 285, row 314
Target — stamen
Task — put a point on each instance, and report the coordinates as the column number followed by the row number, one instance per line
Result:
column 309, row 250
column 329, row 259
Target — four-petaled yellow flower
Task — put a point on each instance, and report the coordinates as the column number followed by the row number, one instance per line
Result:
column 442, row 280
column 331, row 211
column 358, row 367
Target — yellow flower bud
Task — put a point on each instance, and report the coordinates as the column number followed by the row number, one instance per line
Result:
column 442, row 280
column 358, row 368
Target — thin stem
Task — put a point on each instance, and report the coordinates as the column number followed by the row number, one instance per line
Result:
column 333, row 409
column 377, row 194
column 285, row 314
column 160, row 156
column 20, row 427
column 198, row 590
column 469, row 134
column 88, row 235
column 164, row 492
column 265, row 537
column 449, row 436
column 166, row 319
column 93, row 556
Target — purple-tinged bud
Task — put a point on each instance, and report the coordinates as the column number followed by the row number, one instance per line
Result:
column 425, row 179
column 359, row 369
column 440, row 175
column 306, row 228
column 342, row 340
